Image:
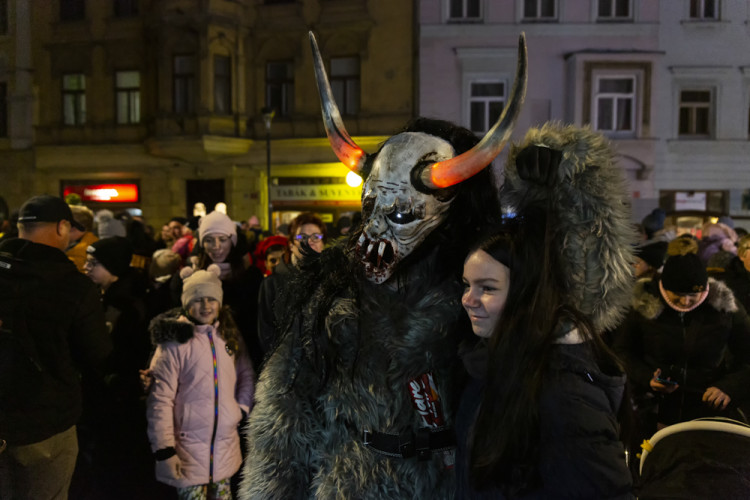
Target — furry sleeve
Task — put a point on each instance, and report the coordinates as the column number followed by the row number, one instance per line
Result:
column 283, row 429
column 592, row 228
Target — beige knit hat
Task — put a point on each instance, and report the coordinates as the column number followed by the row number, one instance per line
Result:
column 197, row 284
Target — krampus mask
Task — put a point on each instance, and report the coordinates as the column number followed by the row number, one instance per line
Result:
column 407, row 188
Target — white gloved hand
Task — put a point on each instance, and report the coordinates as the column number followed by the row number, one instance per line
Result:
column 171, row 467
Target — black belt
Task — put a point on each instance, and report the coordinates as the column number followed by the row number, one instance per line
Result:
column 409, row 444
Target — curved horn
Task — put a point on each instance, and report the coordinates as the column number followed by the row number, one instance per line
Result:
column 450, row 172
column 345, row 148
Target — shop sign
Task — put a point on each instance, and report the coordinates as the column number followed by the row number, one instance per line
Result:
column 104, row 193
column 319, row 192
column 690, row 201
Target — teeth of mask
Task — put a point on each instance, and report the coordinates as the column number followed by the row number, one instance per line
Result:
column 381, row 249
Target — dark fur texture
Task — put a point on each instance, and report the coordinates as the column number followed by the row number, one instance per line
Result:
column 593, row 231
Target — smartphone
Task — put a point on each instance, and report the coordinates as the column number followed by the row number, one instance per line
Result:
column 665, row 381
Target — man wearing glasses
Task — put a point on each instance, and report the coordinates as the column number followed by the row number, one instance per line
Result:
column 307, row 230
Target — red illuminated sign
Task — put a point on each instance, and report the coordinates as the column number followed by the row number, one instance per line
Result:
column 105, row 193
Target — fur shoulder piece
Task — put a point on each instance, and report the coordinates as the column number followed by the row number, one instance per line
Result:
column 720, row 296
column 647, row 301
column 592, row 229
column 167, row 328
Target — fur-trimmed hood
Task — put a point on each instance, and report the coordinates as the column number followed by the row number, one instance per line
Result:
column 647, row 300
column 168, row 327
column 592, row 230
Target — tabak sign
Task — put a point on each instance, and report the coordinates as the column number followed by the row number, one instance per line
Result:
column 104, row 193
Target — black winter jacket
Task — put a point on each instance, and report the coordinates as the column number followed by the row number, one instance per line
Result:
column 706, row 347
column 66, row 335
column 580, row 455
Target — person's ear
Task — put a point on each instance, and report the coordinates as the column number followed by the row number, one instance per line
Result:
column 60, row 230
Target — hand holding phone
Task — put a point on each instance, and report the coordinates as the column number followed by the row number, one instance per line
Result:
column 663, row 384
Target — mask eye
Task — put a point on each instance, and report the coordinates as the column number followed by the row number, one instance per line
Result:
column 401, row 217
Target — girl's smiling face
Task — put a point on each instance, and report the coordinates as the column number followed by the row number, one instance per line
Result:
column 486, row 283
column 204, row 310
column 217, row 246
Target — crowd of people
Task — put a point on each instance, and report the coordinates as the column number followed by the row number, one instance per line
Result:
column 135, row 365
column 114, row 340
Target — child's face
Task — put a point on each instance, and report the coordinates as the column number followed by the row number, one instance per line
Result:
column 204, row 310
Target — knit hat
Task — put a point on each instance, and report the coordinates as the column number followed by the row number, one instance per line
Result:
column 107, row 226
column 217, row 223
column 684, row 274
column 114, row 253
column 652, row 253
column 197, row 284
column 654, row 221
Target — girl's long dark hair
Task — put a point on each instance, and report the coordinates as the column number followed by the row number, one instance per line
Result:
column 504, row 444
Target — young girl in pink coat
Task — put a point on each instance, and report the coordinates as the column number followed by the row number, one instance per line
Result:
column 202, row 385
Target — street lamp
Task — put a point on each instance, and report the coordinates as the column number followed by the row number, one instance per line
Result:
column 268, row 114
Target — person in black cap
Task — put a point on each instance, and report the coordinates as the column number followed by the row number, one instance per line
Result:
column 53, row 333
column 686, row 341
column 118, row 446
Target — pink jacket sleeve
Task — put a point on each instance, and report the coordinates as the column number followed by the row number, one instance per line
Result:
column 165, row 368
column 244, row 391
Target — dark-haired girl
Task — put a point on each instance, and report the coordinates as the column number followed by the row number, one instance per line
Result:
column 539, row 417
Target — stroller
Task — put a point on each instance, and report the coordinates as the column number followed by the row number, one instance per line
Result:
column 700, row 459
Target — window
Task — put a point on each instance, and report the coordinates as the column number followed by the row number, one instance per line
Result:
column 280, row 87
column 486, row 103
column 74, row 99
column 542, row 10
column 222, row 85
column 3, row 109
column 704, row 9
column 464, row 10
column 613, row 10
column 126, row 8
column 345, row 83
column 184, row 84
column 614, row 106
column 128, row 97
column 72, row 10
column 695, row 113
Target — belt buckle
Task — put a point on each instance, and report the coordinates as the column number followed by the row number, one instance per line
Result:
column 422, row 444
column 406, row 444
column 366, row 437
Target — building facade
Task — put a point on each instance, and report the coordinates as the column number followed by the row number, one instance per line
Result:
column 666, row 80
column 167, row 97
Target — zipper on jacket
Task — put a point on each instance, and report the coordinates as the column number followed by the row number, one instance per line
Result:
column 685, row 365
column 216, row 410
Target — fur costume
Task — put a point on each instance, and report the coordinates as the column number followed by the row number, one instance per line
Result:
column 305, row 432
column 359, row 334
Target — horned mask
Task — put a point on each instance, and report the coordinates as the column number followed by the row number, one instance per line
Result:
column 404, row 193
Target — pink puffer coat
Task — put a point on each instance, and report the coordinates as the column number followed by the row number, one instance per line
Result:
column 182, row 403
